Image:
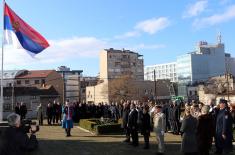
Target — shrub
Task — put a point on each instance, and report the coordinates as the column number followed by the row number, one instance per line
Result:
column 101, row 127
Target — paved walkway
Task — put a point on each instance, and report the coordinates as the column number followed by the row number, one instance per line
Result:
column 52, row 141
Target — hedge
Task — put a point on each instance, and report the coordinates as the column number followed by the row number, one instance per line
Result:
column 96, row 126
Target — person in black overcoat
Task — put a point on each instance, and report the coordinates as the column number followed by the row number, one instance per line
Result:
column 125, row 116
column 17, row 108
column 49, row 113
column 205, row 131
column 224, row 131
column 146, row 126
column 133, row 125
column 23, row 110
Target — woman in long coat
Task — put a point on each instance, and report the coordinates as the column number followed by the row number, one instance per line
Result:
column 189, row 131
column 67, row 123
column 205, row 131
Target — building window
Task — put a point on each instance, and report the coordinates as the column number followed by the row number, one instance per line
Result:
column 26, row 81
column 43, row 81
column 18, row 82
column 36, row 82
column 33, row 97
column 7, row 107
column 117, row 64
column 7, row 97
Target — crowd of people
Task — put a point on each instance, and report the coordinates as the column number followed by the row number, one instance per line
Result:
column 198, row 124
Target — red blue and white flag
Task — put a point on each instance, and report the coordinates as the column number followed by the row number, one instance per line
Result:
column 20, row 34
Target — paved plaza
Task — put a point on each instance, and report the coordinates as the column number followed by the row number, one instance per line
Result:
column 52, row 141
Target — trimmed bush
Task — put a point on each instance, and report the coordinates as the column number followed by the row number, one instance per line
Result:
column 101, row 127
column 108, row 129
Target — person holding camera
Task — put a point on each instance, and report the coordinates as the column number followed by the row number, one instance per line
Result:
column 15, row 140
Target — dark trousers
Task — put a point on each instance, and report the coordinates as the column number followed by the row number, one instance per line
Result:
column 146, row 140
column 134, row 137
column 68, row 131
column 127, row 131
column 40, row 120
column 204, row 152
column 176, row 125
column 54, row 118
column 49, row 118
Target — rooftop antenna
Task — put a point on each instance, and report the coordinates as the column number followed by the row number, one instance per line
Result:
column 219, row 38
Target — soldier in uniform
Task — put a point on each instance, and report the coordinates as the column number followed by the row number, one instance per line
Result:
column 224, row 133
column 159, row 128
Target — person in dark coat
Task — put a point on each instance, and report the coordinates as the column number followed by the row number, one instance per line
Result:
column 175, row 115
column 23, row 110
column 125, row 116
column 189, row 131
column 58, row 112
column 170, row 117
column 54, row 110
column 132, row 124
column 146, row 126
column 224, row 131
column 49, row 113
column 17, row 108
column 205, row 131
column 14, row 140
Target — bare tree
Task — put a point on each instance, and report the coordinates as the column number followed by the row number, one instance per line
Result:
column 216, row 87
column 122, row 88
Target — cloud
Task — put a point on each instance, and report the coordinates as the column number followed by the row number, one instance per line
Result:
column 58, row 51
column 195, row 9
column 227, row 15
column 224, row 2
column 147, row 47
column 128, row 35
column 153, row 25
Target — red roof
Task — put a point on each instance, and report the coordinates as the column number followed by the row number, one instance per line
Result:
column 35, row 74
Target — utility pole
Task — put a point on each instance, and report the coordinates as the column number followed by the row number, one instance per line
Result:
column 155, row 83
column 227, row 81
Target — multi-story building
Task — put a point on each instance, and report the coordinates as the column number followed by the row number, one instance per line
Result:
column 72, row 84
column 198, row 66
column 122, row 77
column 32, row 88
column 162, row 71
column 116, row 63
column 41, row 79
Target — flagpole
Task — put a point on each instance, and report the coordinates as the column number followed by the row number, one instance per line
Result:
column 1, row 101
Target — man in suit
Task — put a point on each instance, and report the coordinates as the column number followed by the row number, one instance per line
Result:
column 132, row 124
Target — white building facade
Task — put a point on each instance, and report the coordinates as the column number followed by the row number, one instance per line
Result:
column 207, row 61
column 162, row 71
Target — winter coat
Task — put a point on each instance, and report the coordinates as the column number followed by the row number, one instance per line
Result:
column 205, row 132
column 189, row 139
